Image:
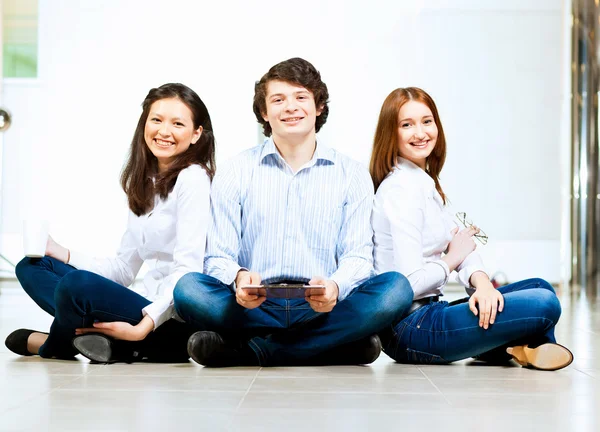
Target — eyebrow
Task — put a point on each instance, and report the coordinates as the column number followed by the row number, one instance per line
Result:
column 160, row 115
column 295, row 93
column 406, row 119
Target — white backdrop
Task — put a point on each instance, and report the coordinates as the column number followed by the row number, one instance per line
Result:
column 493, row 67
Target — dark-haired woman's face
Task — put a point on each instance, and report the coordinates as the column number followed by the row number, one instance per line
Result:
column 417, row 132
column 169, row 130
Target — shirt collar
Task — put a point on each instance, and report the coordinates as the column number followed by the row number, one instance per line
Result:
column 415, row 172
column 322, row 152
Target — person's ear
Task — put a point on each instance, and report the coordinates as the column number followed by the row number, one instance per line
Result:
column 197, row 134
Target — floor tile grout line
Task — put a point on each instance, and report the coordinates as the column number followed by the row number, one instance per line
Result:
column 29, row 400
column 436, row 387
column 155, row 390
column 248, row 390
column 585, row 373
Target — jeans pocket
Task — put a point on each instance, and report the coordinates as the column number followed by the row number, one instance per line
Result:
column 420, row 315
column 420, row 357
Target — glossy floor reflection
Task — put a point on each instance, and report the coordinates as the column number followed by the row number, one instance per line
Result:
column 58, row 395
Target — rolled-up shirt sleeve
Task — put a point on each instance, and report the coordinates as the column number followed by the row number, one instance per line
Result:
column 472, row 263
column 122, row 268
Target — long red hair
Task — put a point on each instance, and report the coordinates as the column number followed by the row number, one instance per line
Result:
column 386, row 148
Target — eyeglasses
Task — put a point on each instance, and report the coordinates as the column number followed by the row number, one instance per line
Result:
column 481, row 236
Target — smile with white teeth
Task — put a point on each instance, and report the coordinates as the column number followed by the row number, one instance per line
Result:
column 420, row 144
column 162, row 143
column 292, row 119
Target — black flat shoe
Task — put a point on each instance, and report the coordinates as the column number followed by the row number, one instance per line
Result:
column 102, row 349
column 210, row 349
column 17, row 341
column 360, row 352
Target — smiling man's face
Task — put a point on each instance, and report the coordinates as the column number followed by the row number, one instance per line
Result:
column 291, row 110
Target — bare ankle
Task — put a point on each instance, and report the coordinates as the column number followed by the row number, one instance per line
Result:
column 35, row 341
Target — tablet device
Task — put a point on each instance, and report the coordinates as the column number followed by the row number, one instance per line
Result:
column 285, row 291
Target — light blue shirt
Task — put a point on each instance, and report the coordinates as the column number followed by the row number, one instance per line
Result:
column 291, row 226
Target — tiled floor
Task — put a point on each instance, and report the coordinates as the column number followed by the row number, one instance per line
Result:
column 57, row 395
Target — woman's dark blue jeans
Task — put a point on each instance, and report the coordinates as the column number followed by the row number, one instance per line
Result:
column 78, row 298
column 443, row 332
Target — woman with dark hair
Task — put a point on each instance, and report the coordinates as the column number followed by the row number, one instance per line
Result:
column 167, row 182
column 415, row 234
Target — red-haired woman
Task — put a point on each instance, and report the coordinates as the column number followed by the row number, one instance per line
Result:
column 415, row 234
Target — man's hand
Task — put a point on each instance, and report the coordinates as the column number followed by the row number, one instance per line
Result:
column 244, row 298
column 324, row 302
column 488, row 298
column 121, row 330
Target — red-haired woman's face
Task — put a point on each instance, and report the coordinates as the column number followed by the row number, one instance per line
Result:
column 417, row 132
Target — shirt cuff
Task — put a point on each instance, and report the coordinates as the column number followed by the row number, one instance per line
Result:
column 343, row 287
column 446, row 269
column 232, row 284
column 80, row 261
column 464, row 275
column 228, row 274
column 160, row 311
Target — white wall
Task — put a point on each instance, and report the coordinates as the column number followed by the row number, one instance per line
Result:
column 494, row 69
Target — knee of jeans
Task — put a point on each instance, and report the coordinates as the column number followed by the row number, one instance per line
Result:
column 23, row 268
column 186, row 291
column 26, row 265
column 549, row 305
column 544, row 284
column 75, row 285
column 22, row 271
column 399, row 295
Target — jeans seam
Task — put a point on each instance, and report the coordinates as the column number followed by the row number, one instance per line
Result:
column 410, row 319
column 410, row 351
column 530, row 285
column 396, row 337
column 120, row 317
column 477, row 326
column 260, row 355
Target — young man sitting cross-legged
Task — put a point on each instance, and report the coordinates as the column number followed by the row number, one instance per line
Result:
column 290, row 210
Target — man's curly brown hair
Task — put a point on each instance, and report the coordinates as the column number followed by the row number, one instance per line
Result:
column 294, row 71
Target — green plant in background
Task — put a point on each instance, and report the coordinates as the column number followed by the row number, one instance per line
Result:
column 20, row 34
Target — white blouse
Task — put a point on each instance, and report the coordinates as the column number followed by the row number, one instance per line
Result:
column 171, row 238
column 412, row 228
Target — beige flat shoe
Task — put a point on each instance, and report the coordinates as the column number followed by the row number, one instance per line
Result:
column 549, row 356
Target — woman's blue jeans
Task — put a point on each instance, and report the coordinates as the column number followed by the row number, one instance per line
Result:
column 287, row 332
column 443, row 332
column 78, row 298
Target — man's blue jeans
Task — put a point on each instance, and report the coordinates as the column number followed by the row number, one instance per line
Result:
column 440, row 332
column 286, row 332
column 78, row 298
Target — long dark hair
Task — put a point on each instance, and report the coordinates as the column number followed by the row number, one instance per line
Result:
column 140, row 178
column 386, row 149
